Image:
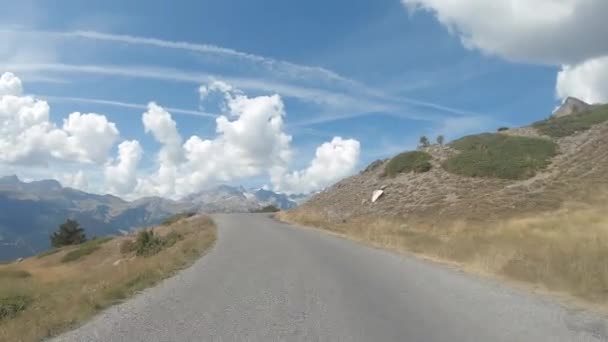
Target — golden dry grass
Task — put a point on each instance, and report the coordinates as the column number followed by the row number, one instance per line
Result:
column 62, row 295
column 562, row 251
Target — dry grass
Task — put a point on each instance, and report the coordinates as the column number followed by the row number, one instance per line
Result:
column 61, row 296
column 564, row 251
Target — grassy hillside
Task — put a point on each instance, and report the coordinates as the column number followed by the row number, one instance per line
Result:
column 527, row 204
column 45, row 295
column 568, row 125
column 414, row 161
column 500, row 156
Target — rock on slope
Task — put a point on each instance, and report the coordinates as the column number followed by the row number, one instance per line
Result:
column 437, row 196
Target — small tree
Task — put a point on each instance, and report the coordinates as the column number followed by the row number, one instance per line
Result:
column 440, row 140
column 69, row 233
column 424, row 142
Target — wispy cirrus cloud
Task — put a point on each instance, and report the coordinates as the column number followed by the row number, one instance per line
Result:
column 278, row 66
column 124, row 105
column 340, row 97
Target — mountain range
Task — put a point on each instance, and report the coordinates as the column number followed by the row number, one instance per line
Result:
column 31, row 211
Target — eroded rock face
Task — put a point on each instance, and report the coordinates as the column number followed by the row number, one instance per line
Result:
column 570, row 106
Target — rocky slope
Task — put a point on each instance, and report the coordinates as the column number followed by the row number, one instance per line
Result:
column 438, row 197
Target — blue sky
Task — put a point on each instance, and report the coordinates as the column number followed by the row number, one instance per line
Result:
column 376, row 72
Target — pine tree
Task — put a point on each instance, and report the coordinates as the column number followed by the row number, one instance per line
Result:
column 440, row 140
column 69, row 233
column 424, row 142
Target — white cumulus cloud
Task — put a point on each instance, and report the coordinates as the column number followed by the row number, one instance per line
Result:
column 27, row 136
column 250, row 142
column 76, row 180
column 333, row 161
column 121, row 175
column 587, row 81
column 164, row 129
column 10, row 84
column 569, row 33
column 541, row 31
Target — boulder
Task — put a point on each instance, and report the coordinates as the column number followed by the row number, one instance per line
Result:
column 376, row 195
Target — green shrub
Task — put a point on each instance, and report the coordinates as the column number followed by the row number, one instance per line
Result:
column 11, row 306
column 147, row 244
column 85, row 249
column 69, row 233
column 413, row 161
column 14, row 274
column 502, row 129
column 568, row 125
column 500, row 156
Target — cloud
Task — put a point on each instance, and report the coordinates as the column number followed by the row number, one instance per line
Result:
column 281, row 68
column 570, row 33
column 164, row 129
column 250, row 141
column 333, row 161
column 27, row 136
column 337, row 104
column 123, row 105
column 587, row 81
column 121, row 175
column 77, row 180
column 10, row 85
column 541, row 31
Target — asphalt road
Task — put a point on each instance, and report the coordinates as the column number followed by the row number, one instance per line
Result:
column 267, row 281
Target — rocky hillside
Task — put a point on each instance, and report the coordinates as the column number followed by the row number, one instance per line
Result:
column 480, row 178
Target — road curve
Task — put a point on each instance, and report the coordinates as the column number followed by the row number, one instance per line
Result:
column 267, row 281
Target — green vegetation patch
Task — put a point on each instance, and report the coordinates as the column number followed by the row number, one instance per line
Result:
column 500, row 156
column 571, row 124
column 413, row 161
column 11, row 306
column 85, row 249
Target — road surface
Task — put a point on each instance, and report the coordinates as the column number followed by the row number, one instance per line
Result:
column 267, row 281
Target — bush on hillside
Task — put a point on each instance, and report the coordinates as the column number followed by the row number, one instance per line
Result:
column 147, row 243
column 571, row 124
column 500, row 156
column 11, row 306
column 69, row 233
column 413, row 161
column 502, row 129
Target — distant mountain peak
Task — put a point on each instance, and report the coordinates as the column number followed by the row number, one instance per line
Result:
column 571, row 105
